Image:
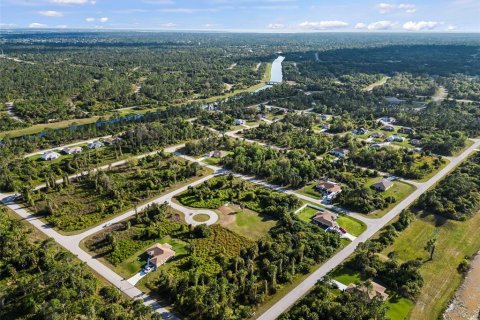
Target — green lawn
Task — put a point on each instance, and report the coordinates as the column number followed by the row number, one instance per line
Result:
column 346, row 276
column 353, row 226
column 309, row 191
column 400, row 190
column 212, row 161
column 307, row 213
column 398, row 307
column 136, row 262
column 455, row 241
column 251, row 224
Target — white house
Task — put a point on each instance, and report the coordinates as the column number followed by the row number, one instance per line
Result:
column 50, row 155
column 72, row 150
column 95, row 145
column 395, row 138
column 239, row 122
column 339, row 152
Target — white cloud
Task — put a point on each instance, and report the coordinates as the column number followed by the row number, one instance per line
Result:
column 169, row 25
column 409, row 8
column 384, row 8
column 323, row 25
column 73, row 1
column 275, row 26
column 61, row 26
column 37, row 25
column 360, row 25
column 51, row 13
column 103, row 19
column 421, row 25
column 90, row 19
column 451, row 28
column 381, row 25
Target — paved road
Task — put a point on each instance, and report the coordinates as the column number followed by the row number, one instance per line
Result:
column 71, row 243
column 288, row 300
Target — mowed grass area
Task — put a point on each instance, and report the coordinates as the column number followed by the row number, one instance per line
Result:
column 310, row 191
column 136, row 262
column 398, row 307
column 251, row 224
column 353, row 226
column 400, row 190
column 201, row 217
column 441, row 279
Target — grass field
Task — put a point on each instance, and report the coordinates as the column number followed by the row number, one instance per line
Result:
column 251, row 224
column 400, row 190
column 455, row 241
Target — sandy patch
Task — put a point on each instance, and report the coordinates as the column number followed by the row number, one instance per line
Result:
column 227, row 214
column 466, row 304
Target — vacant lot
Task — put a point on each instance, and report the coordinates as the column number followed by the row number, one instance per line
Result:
column 248, row 223
column 455, row 241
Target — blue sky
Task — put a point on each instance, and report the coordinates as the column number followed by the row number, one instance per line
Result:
column 245, row 15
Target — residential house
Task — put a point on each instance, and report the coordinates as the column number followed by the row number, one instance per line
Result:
column 325, row 117
column 159, row 254
column 325, row 126
column 376, row 146
column 359, row 131
column 218, row 154
column 328, row 188
column 339, row 152
column 415, row 142
column 377, row 135
column 95, row 145
column 395, row 138
column 325, row 219
column 72, row 150
column 239, row 122
column 382, row 185
column 387, row 120
column 406, row 130
column 388, row 128
column 371, row 292
column 50, row 155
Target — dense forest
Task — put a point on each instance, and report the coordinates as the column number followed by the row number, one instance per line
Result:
column 39, row 280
